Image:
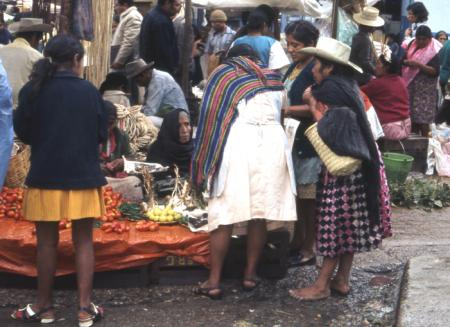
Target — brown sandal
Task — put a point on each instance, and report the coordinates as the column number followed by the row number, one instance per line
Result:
column 214, row 293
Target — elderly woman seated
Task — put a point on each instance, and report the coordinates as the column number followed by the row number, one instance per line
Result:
column 174, row 145
column 116, row 146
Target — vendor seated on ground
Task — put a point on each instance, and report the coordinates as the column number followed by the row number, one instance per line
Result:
column 115, row 147
column 162, row 91
column 174, row 145
column 389, row 96
column 115, row 88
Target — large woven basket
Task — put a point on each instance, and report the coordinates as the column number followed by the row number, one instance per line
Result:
column 18, row 167
column 336, row 165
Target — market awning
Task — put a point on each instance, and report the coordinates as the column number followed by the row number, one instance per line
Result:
column 280, row 4
column 312, row 8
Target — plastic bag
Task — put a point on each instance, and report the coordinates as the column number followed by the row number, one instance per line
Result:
column 442, row 159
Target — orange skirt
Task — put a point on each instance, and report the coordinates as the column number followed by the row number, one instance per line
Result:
column 56, row 205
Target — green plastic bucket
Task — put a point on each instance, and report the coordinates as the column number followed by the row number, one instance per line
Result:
column 397, row 165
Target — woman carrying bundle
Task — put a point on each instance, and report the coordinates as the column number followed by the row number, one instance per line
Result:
column 353, row 213
column 242, row 149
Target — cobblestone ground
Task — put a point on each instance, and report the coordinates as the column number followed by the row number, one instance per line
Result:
column 375, row 281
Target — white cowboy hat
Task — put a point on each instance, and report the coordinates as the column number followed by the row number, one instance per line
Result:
column 332, row 50
column 369, row 16
column 30, row 25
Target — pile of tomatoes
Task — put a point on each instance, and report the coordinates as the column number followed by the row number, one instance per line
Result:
column 65, row 224
column 11, row 207
column 112, row 203
column 147, row 226
column 115, row 227
column 11, row 203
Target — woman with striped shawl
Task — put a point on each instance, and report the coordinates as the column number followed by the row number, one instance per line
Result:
column 242, row 152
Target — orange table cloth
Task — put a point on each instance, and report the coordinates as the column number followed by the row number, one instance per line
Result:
column 112, row 251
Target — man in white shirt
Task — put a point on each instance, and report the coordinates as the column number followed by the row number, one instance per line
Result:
column 124, row 43
column 162, row 94
column 19, row 56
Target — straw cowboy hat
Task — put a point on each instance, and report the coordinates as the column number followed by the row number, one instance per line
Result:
column 332, row 50
column 369, row 16
column 137, row 67
column 30, row 25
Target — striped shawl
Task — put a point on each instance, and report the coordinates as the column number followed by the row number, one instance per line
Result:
column 238, row 79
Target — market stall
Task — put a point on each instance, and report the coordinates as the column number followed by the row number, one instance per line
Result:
column 125, row 237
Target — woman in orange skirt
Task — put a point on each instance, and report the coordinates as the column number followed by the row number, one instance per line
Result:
column 62, row 118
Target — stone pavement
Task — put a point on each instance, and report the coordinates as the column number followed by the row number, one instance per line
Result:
column 425, row 297
column 376, row 280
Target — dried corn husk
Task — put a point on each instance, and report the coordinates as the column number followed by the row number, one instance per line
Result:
column 98, row 51
column 139, row 128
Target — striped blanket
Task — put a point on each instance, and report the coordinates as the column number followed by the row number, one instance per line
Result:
column 238, row 79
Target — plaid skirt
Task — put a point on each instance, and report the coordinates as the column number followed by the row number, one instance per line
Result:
column 342, row 224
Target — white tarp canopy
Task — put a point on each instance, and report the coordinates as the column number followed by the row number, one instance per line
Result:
column 312, row 8
column 235, row 4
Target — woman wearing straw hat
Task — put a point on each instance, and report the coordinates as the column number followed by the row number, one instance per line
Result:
column 363, row 51
column 351, row 216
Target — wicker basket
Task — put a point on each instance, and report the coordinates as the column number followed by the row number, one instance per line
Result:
column 336, row 165
column 18, row 168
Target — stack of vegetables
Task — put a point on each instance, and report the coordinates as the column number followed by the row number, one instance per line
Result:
column 11, row 203
column 119, row 213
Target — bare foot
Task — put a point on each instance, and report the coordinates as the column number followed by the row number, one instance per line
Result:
column 312, row 293
column 340, row 286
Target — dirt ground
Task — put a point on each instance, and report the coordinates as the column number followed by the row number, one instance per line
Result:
column 372, row 302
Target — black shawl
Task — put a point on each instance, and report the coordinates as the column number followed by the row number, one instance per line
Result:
column 340, row 91
column 167, row 149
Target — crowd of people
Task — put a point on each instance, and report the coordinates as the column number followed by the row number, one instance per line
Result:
column 257, row 179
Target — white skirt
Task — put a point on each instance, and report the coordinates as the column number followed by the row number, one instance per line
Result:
column 255, row 179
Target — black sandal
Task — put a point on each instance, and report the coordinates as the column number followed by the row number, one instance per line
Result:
column 255, row 281
column 214, row 293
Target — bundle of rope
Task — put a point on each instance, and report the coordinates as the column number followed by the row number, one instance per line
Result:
column 139, row 128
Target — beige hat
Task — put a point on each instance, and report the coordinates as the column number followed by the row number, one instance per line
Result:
column 369, row 16
column 218, row 16
column 137, row 67
column 30, row 25
column 332, row 50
